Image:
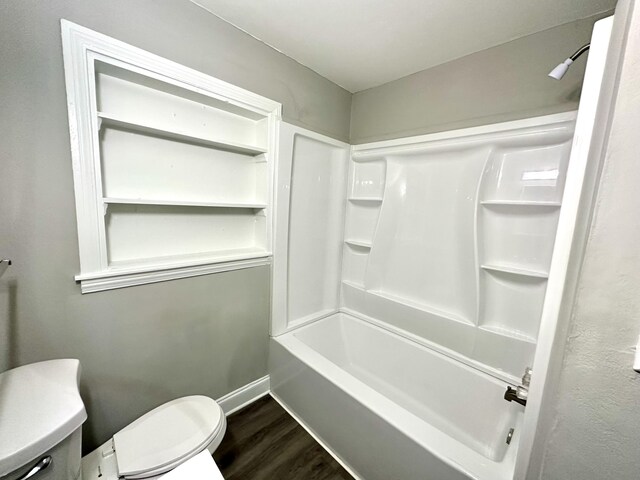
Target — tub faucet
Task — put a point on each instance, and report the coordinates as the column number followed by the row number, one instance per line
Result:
column 521, row 392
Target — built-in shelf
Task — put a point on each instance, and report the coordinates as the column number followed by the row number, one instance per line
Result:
column 365, row 199
column 358, row 243
column 520, row 203
column 505, row 332
column 172, row 167
column 515, row 271
column 176, row 203
column 114, row 121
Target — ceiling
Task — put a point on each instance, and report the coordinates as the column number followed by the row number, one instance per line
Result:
column 359, row 44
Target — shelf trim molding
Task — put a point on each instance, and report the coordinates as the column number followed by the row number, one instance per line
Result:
column 123, row 277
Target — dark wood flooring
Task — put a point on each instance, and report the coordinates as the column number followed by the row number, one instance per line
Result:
column 263, row 442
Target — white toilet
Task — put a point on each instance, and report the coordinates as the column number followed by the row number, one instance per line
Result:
column 41, row 414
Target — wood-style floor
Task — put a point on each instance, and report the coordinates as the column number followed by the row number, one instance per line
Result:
column 263, row 442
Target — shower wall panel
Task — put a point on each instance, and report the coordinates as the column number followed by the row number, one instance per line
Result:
column 449, row 237
column 310, row 197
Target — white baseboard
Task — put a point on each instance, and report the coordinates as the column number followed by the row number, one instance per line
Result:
column 316, row 438
column 234, row 401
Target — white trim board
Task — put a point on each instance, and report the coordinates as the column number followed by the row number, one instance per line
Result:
column 131, row 277
column 243, row 396
column 471, row 131
column 569, row 229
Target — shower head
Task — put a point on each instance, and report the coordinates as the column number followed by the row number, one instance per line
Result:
column 558, row 72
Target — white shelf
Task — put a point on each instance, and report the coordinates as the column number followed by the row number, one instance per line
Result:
column 114, row 121
column 176, row 203
column 358, row 243
column 515, row 271
column 520, row 203
column 365, row 199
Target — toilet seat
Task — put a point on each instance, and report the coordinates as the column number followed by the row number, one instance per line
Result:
column 167, row 436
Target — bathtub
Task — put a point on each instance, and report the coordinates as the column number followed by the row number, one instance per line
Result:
column 391, row 409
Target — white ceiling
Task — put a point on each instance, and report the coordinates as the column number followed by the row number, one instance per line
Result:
column 359, row 44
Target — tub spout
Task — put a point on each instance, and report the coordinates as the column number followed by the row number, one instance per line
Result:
column 520, row 393
column 514, row 395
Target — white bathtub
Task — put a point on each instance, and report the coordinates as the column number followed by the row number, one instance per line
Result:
column 391, row 409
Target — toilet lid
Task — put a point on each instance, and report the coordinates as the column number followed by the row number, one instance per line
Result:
column 167, row 434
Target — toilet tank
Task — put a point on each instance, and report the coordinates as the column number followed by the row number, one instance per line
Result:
column 41, row 414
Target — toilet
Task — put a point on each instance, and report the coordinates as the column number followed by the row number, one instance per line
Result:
column 158, row 441
column 42, row 413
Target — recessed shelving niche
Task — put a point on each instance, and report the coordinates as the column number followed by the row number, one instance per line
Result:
column 366, row 190
column 133, row 231
column 173, row 167
column 367, row 180
column 521, row 191
column 522, row 239
column 512, row 304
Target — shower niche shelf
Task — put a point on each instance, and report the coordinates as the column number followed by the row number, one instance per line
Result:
column 365, row 199
column 366, row 190
column 521, row 190
column 172, row 170
column 367, row 180
column 509, row 269
column 358, row 244
column 512, row 305
column 519, row 203
column 521, row 238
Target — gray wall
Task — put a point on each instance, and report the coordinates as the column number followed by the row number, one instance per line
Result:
column 139, row 346
column 503, row 83
column 593, row 429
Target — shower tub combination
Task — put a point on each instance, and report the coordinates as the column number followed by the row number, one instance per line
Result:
column 409, row 288
column 404, row 308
